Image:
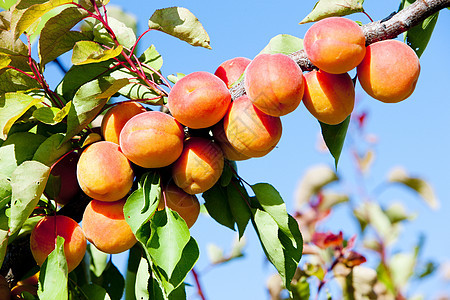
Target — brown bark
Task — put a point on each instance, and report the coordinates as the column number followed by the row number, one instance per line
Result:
column 388, row 28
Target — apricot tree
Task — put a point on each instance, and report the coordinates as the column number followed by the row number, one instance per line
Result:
column 125, row 149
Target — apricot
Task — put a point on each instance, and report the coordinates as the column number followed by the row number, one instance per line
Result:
column 329, row 97
column 199, row 166
column 62, row 184
column 249, row 130
column 229, row 152
column 335, row 45
column 105, row 226
column 231, row 70
column 186, row 205
column 389, row 71
column 5, row 293
column 17, row 290
column 199, row 100
column 103, row 172
column 274, row 83
column 116, row 117
column 152, row 139
column 43, row 239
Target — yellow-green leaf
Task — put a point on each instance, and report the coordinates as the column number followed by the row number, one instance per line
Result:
column 180, row 23
column 86, row 52
column 333, row 8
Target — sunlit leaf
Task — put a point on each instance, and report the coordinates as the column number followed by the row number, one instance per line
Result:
column 180, row 23
column 417, row 184
column 215, row 253
column 125, row 35
column 50, row 150
column 28, row 182
column 283, row 43
column 143, row 278
column 53, row 275
column 333, row 8
column 4, row 234
column 14, row 81
column 86, row 52
column 334, row 137
column 6, row 4
column 98, row 260
column 402, row 267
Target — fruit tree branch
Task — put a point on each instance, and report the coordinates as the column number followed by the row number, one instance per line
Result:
column 387, row 28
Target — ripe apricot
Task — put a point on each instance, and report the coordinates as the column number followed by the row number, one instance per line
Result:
column 274, row 83
column 249, row 130
column 199, row 100
column 116, row 117
column 152, row 139
column 103, row 172
column 389, row 71
column 17, row 290
column 43, row 239
column 199, row 166
column 105, row 226
column 329, row 97
column 335, row 45
column 5, row 293
column 231, row 70
column 186, row 205
column 229, row 152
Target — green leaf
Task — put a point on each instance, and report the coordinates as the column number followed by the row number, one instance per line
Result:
column 423, row 188
column 86, row 52
column 6, row 4
column 112, row 281
column 12, row 107
column 143, row 278
column 216, row 202
column 95, row 291
column 168, row 238
column 46, row 115
column 334, row 137
column 143, row 202
column 151, row 58
column 53, row 275
column 98, row 260
column 4, row 234
column 238, row 202
column 125, row 35
column 50, row 150
column 27, row 182
column 333, row 8
column 301, row 289
column 5, row 191
column 277, row 246
column 419, row 36
column 56, row 36
column 402, row 267
column 4, row 61
column 18, row 148
column 14, row 81
column 88, row 102
column 283, row 43
column 180, row 23
column 174, row 78
column 22, row 19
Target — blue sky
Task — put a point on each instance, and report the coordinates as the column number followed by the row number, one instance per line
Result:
column 412, row 134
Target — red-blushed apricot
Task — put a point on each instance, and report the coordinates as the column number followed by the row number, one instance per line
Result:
column 329, row 97
column 231, row 70
column 62, row 184
column 199, row 166
column 199, row 100
column 389, row 71
column 43, row 239
column 116, row 117
column 105, row 226
column 186, row 205
column 335, row 45
column 152, row 139
column 249, row 130
column 229, row 152
column 103, row 172
column 5, row 293
column 274, row 83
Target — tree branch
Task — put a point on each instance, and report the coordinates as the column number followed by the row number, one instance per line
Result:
column 388, row 28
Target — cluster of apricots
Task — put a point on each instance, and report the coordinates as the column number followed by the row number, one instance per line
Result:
column 249, row 126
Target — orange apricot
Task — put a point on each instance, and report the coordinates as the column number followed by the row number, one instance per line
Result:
column 199, row 100
column 249, row 130
column 274, row 83
column 186, row 205
column 330, row 98
column 103, row 172
column 116, row 117
column 105, row 226
column 229, row 152
column 389, row 71
column 43, row 239
column 199, row 166
column 335, row 45
column 152, row 139
column 231, row 70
